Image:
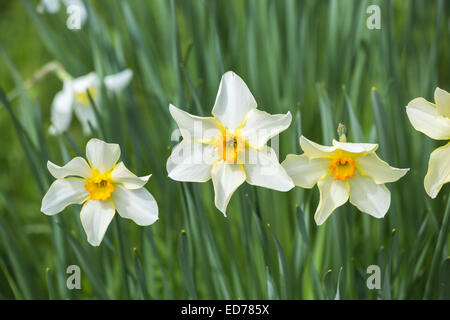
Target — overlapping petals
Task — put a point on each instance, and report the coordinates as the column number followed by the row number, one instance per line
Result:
column 230, row 147
column 344, row 171
column 104, row 186
column 73, row 98
column 434, row 121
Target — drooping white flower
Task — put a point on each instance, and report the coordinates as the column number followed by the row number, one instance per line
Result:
column 74, row 98
column 433, row 119
column 343, row 171
column 230, row 147
column 103, row 186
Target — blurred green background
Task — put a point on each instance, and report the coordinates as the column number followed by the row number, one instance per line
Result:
column 315, row 58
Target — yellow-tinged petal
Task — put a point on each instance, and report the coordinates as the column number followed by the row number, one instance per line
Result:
column 121, row 174
column 77, row 167
column 233, row 101
column 102, row 156
column 95, row 218
column 260, row 126
column 368, row 196
column 425, row 118
column 226, row 177
column 191, row 162
column 305, row 172
column 265, row 171
column 370, row 165
column 438, row 170
column 355, row 147
column 62, row 193
column 333, row 194
column 138, row 205
column 194, row 128
column 314, row 150
column 442, row 99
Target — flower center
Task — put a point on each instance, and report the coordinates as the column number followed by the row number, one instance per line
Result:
column 229, row 146
column 343, row 168
column 99, row 186
column 83, row 99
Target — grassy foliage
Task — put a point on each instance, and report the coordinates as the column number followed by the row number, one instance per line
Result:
column 314, row 58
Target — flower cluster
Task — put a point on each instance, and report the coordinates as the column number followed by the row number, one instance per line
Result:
column 230, row 148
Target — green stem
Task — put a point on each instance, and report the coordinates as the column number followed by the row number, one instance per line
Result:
column 122, row 259
column 437, row 256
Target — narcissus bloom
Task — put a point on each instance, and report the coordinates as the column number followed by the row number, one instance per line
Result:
column 433, row 119
column 104, row 186
column 53, row 6
column 230, row 147
column 73, row 98
column 343, row 171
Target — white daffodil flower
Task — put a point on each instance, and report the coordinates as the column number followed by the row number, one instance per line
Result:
column 343, row 171
column 53, row 6
column 230, row 147
column 433, row 119
column 104, row 186
column 73, row 98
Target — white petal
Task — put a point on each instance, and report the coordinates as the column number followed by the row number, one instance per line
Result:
column 101, row 155
column 355, row 147
column 90, row 80
column 368, row 196
column 442, row 99
column 137, row 205
column 233, row 101
column 305, row 172
column 333, row 194
column 438, row 170
column 314, row 150
column 77, row 167
column 119, row 81
column 81, row 7
column 61, row 110
column 199, row 129
column 95, row 217
column 226, row 177
column 191, row 161
column 260, row 126
column 86, row 114
column 425, row 118
column 63, row 193
column 370, row 165
column 122, row 175
column 267, row 172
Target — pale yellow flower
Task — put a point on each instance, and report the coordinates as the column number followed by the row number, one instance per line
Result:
column 343, row 171
column 433, row 119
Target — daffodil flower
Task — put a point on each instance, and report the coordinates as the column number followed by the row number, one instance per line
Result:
column 433, row 119
column 230, row 147
column 53, row 6
column 73, row 98
column 343, row 171
column 103, row 186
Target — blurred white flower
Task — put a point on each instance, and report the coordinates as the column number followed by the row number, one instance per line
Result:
column 230, row 147
column 73, row 98
column 104, row 186
column 433, row 119
column 343, row 171
column 53, row 6
column 118, row 82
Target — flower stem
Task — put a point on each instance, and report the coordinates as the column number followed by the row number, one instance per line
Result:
column 122, row 259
